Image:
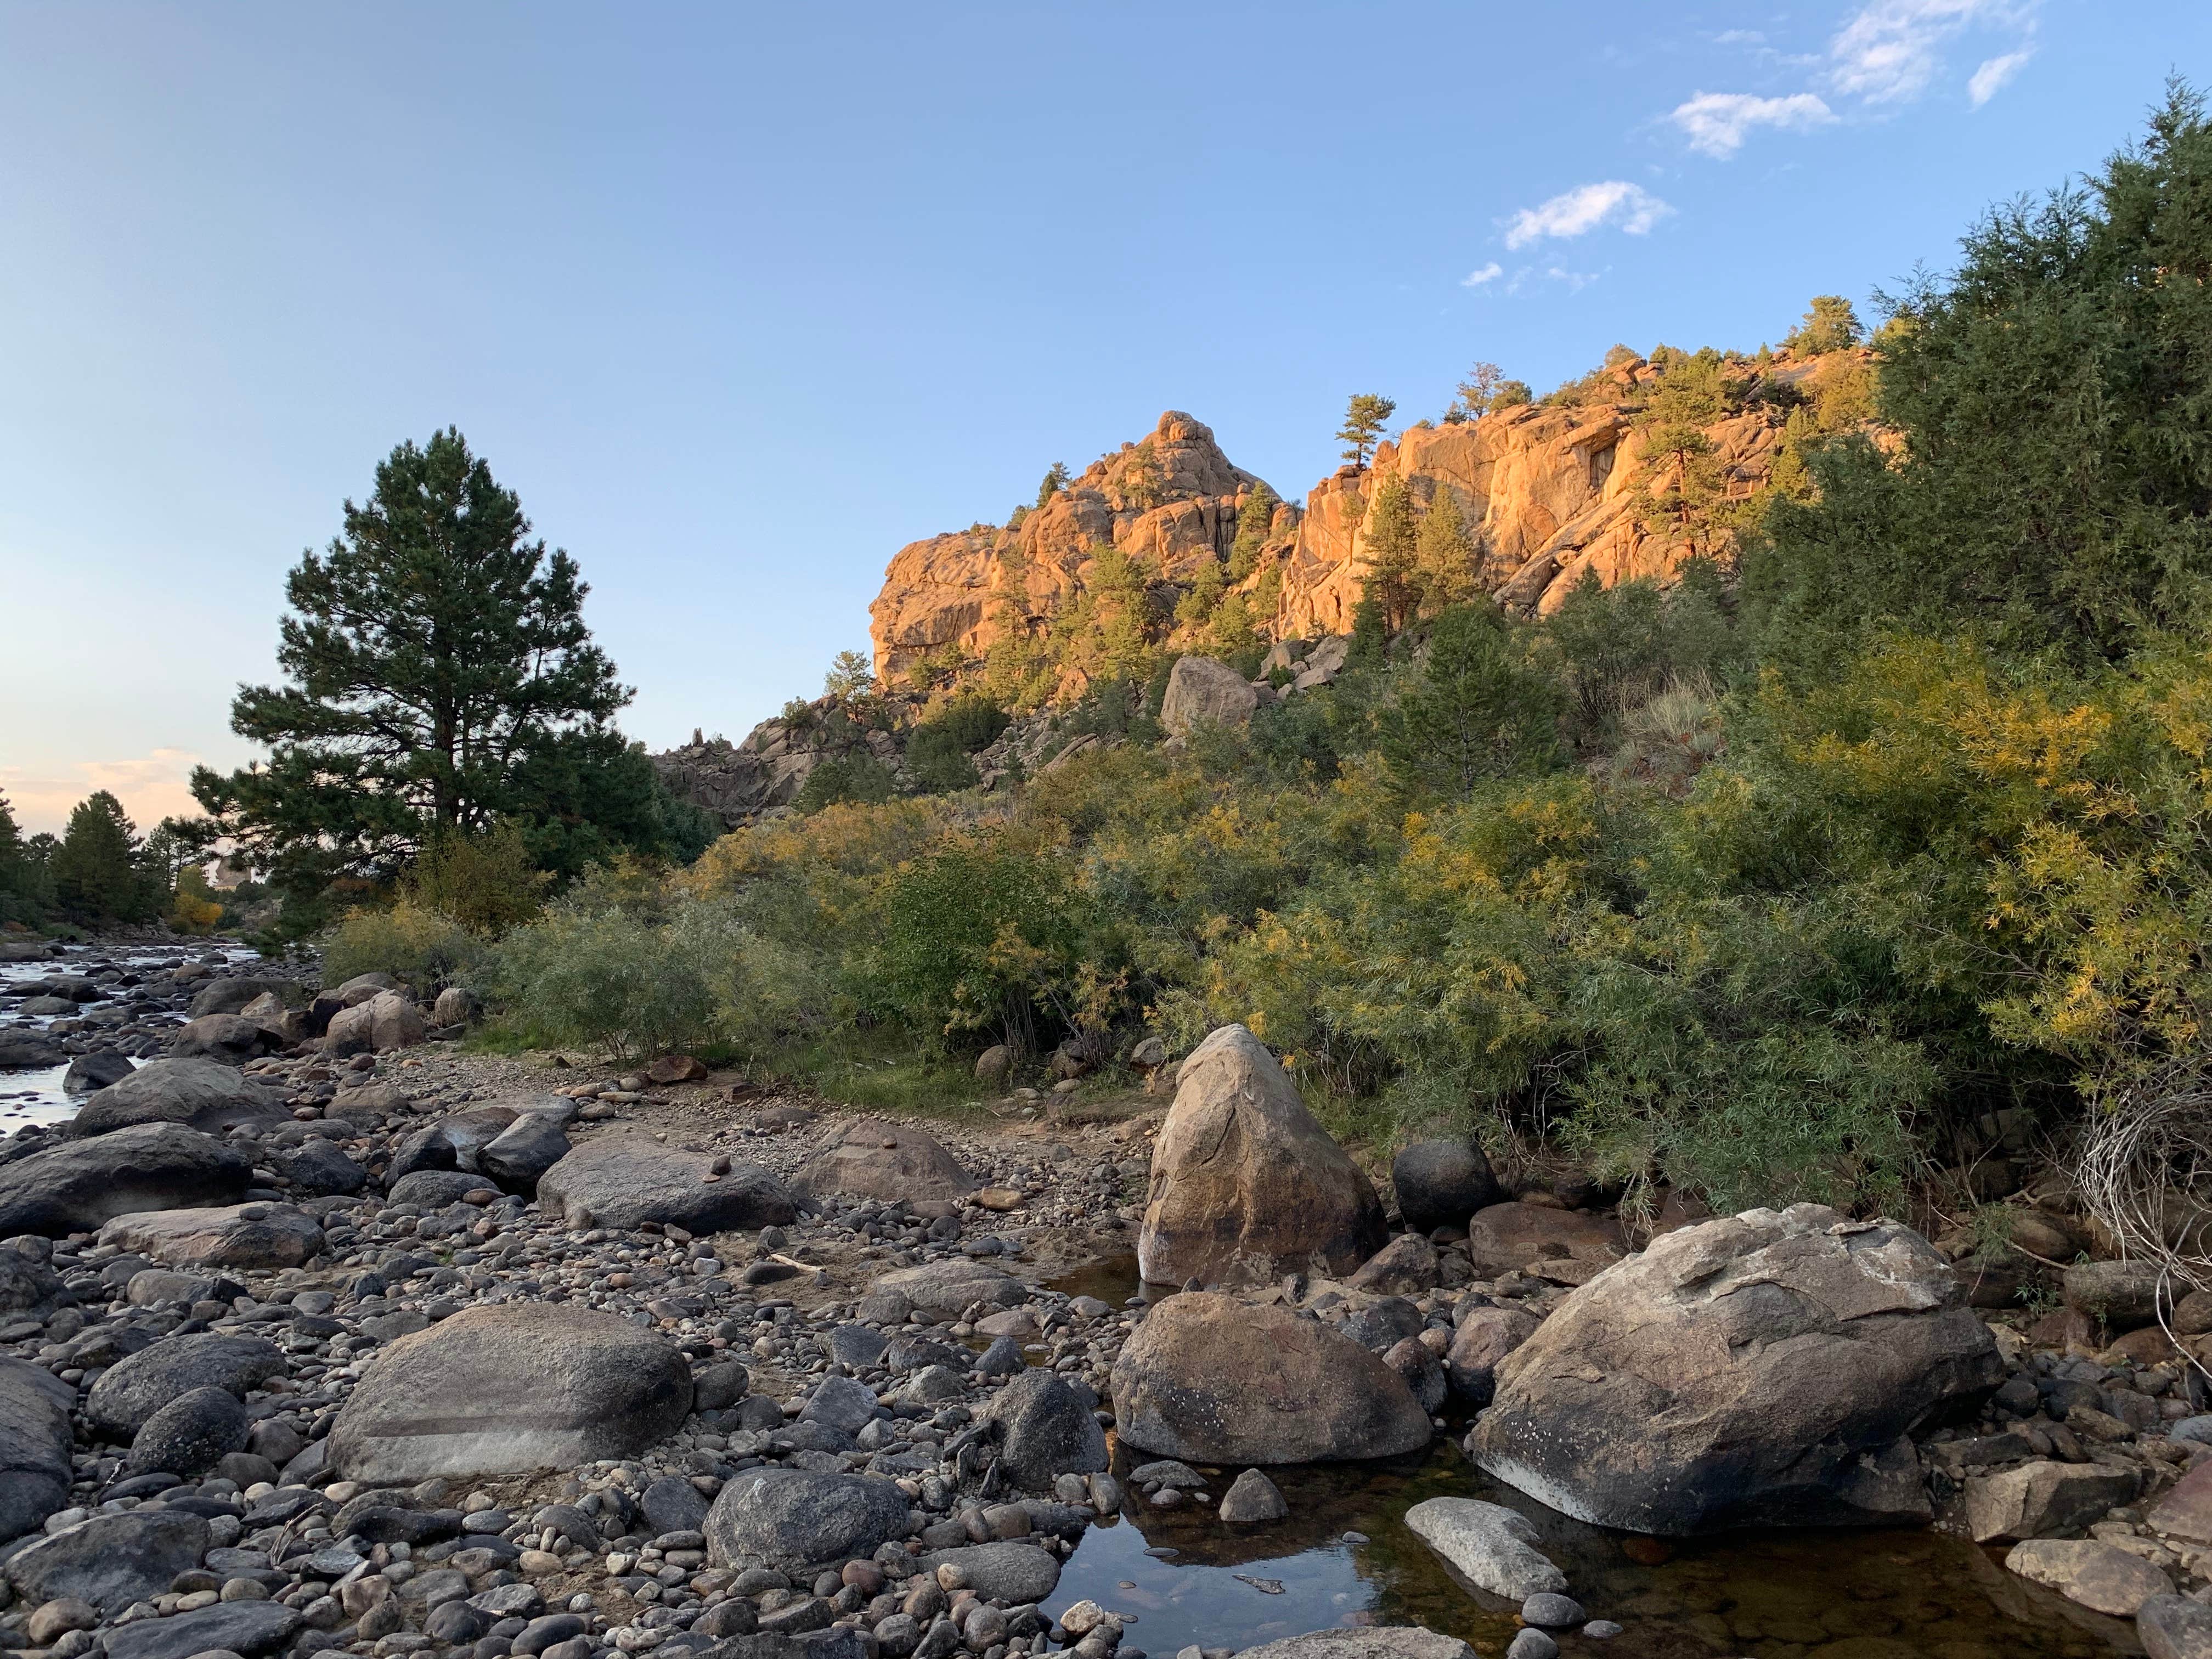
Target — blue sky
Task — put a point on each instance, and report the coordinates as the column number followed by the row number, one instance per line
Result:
column 740, row 299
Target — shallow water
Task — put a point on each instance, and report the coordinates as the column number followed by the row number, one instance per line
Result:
column 37, row 1097
column 1345, row 1557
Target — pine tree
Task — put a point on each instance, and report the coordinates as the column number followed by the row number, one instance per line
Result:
column 1476, row 393
column 1255, row 522
column 1680, row 496
column 95, row 869
column 1474, row 713
column 1831, row 325
column 1365, row 417
column 1443, row 555
column 1391, row 535
column 439, row 676
column 1055, row 480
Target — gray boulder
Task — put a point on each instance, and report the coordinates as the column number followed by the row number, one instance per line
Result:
column 2036, row 1500
column 190, row 1434
column 1246, row 1185
column 1759, row 1370
column 519, row 1155
column 2174, row 1627
column 78, row 1185
column 2124, row 1295
column 1211, row 1380
column 132, row 1389
column 26, row 1284
column 1376, row 1642
column 29, row 1051
column 672, row 1504
column 1202, row 691
column 200, row 1094
column 798, row 1518
column 35, row 1443
column 386, row 1020
column 247, row 1237
column 96, row 1070
column 233, row 996
column 454, row 1142
column 321, row 1171
column 110, row 1560
column 874, row 1157
column 507, row 1388
column 1478, row 1346
column 1494, row 1546
column 248, row 1629
column 1440, row 1183
column 621, row 1180
column 434, row 1189
column 952, row 1286
column 1251, row 1499
column 1010, row 1573
column 1046, row 1430
column 232, row 1039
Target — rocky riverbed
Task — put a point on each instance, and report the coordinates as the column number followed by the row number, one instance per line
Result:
column 319, row 1334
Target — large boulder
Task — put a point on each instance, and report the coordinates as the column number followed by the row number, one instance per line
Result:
column 28, row 1051
column 869, row 1158
column 27, row 1283
column 1759, row 1369
column 1374, row 1642
column 1202, row 691
column 797, row 1517
column 518, row 1157
column 1440, row 1183
column 190, row 1434
column 1012, row 1572
column 234, row 995
column 259, row 1237
column 2035, row 1500
column 388, row 1019
column 1212, row 1380
column 34, row 1446
column 110, row 1560
column 88, row 1073
column 1046, row 1430
column 508, row 1388
column 454, row 1142
column 132, row 1389
column 247, row 1628
column 624, row 1179
column 952, row 1286
column 1246, row 1185
column 1478, row 1346
column 76, row 1186
column 200, row 1094
column 1492, row 1546
column 231, row 1038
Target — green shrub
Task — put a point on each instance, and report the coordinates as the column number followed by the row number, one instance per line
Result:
column 859, row 776
column 409, row 941
column 610, row 981
column 488, row 883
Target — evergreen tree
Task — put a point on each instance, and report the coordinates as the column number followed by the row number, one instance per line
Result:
column 26, row 891
column 1055, row 480
column 439, row 676
column 1680, row 496
column 1830, row 325
column 1476, row 393
column 1443, row 555
column 95, row 869
column 1198, row 604
column 1392, row 540
column 1255, row 522
column 1473, row 713
column 1365, row 417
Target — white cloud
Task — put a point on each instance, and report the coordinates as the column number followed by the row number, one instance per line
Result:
column 1739, row 38
column 1716, row 122
column 1889, row 51
column 1489, row 273
column 151, row 786
column 1613, row 202
column 1990, row 79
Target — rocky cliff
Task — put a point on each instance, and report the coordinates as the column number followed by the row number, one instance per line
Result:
column 1550, row 490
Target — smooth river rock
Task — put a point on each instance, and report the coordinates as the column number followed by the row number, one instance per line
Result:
column 200, row 1094
column 622, row 1179
column 78, row 1186
column 800, row 1518
column 871, row 1157
column 1494, row 1546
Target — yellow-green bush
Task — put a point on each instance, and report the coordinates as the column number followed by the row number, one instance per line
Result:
column 407, row 941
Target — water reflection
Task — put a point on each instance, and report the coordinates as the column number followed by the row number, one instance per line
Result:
column 1345, row 1557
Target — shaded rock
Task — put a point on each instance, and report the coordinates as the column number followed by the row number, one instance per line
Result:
column 26, row 1284
column 236, row 996
column 35, row 1443
column 994, row 1065
column 841, row 1404
column 248, row 1629
column 1252, row 1499
column 1202, row 691
column 622, row 1179
column 2122, row 1294
column 1246, row 1185
column 1494, row 1548
column 96, row 1070
column 230, row 1038
column 321, row 1171
column 676, row 1068
column 1415, row 1362
column 190, row 1434
column 874, row 1157
column 1479, row 1344
column 78, row 1186
column 1374, row 1642
column 2186, row 1512
column 1406, row 1266
column 1441, row 1184
column 29, row 1051
column 435, row 1189
column 672, row 1504
column 1210, row 1380
column 259, row 1236
column 2174, row 1627
column 132, row 1389
column 2037, row 1499
column 796, row 1517
column 521, row 1154
column 2100, row 1576
column 110, row 1560
column 952, row 1286
column 505, row 1388
column 1010, row 1573
column 200, row 1094
column 1046, row 1430
column 454, row 1142
column 456, row 1006
column 1757, row 1369
column 1504, row 1237
column 720, row 1386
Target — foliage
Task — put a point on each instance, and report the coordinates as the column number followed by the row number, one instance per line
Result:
column 95, row 870
column 1444, row 553
column 487, row 882
column 1390, row 533
column 1365, row 417
column 606, row 979
column 859, row 776
column 938, row 752
column 1830, row 325
column 1055, row 480
column 1473, row 712
column 193, row 908
column 412, row 943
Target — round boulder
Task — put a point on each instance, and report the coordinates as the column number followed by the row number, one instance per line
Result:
column 131, row 1390
column 621, row 1180
column 190, row 1434
column 1211, row 1380
column 871, row 1158
column 1759, row 1371
column 201, row 1094
column 1440, row 1183
column 80, row 1184
column 508, row 1389
column 800, row 1518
